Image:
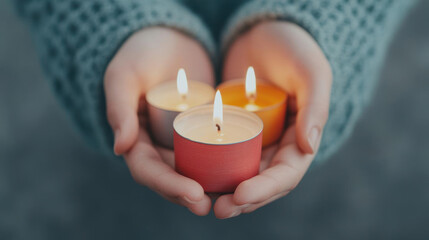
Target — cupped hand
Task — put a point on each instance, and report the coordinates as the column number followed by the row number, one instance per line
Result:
column 147, row 58
column 287, row 56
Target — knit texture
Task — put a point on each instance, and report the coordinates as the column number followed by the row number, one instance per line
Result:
column 354, row 36
column 76, row 39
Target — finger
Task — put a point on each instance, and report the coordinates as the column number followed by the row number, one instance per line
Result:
column 167, row 155
column 283, row 175
column 225, row 207
column 267, row 154
column 147, row 168
column 122, row 98
column 198, row 208
column 286, row 170
column 253, row 207
column 313, row 112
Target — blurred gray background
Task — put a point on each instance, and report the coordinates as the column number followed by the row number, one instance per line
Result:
column 52, row 186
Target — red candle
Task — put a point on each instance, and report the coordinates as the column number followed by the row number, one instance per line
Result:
column 218, row 146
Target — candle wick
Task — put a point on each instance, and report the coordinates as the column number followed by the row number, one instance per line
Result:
column 218, row 127
column 252, row 98
column 183, row 96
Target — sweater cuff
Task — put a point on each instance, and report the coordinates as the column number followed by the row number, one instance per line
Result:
column 354, row 38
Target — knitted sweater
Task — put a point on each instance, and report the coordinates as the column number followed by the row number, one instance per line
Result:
column 76, row 39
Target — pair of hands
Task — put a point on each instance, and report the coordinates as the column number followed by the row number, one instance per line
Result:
column 280, row 52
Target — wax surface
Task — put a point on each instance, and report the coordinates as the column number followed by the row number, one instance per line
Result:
column 166, row 96
column 230, row 133
column 238, row 125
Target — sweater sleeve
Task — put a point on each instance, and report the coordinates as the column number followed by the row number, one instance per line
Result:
column 354, row 36
column 76, row 39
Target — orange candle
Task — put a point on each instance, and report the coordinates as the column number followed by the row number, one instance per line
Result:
column 267, row 101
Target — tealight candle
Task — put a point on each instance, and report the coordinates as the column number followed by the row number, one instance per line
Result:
column 267, row 101
column 218, row 146
column 166, row 100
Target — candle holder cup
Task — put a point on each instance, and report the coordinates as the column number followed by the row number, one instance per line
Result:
column 164, row 103
column 219, row 168
column 161, row 125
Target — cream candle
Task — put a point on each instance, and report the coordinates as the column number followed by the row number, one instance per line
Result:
column 218, row 146
column 166, row 100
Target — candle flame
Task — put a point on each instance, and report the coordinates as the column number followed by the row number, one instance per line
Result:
column 218, row 111
column 182, row 83
column 250, row 84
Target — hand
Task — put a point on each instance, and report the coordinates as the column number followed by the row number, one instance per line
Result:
column 288, row 57
column 147, row 58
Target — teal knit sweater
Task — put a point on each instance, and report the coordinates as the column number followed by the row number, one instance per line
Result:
column 76, row 39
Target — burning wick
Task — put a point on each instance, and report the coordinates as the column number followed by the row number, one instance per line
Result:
column 252, row 98
column 218, row 127
column 218, row 112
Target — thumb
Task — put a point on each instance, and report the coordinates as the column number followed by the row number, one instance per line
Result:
column 122, row 97
column 313, row 113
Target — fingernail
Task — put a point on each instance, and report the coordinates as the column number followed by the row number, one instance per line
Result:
column 189, row 200
column 234, row 214
column 244, row 206
column 240, row 210
column 313, row 138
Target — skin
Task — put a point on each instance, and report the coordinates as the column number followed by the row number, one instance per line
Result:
column 147, row 58
column 279, row 51
column 289, row 57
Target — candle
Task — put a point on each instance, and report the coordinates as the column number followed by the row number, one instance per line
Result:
column 166, row 100
column 218, row 146
column 267, row 101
